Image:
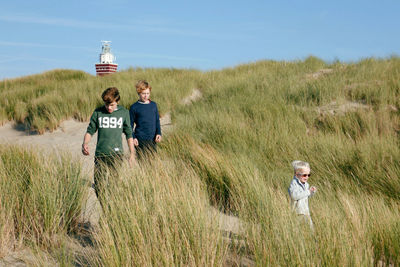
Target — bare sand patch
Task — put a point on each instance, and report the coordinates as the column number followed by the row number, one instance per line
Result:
column 195, row 96
column 340, row 108
column 354, row 85
column 318, row 74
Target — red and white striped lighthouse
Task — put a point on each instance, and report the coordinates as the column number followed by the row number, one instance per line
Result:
column 106, row 65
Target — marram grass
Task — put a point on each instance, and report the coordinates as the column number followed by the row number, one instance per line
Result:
column 157, row 213
column 41, row 198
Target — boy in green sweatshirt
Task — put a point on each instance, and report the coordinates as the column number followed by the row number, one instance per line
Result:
column 110, row 120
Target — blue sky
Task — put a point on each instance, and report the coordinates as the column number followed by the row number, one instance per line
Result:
column 42, row 35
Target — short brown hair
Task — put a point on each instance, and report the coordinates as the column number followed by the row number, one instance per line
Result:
column 142, row 85
column 110, row 95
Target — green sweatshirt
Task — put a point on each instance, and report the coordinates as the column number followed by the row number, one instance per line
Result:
column 110, row 127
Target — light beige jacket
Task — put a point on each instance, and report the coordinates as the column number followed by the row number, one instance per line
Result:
column 299, row 194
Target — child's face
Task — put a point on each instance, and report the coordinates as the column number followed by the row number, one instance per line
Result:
column 144, row 96
column 303, row 175
column 111, row 106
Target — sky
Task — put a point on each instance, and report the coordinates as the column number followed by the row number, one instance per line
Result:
column 42, row 35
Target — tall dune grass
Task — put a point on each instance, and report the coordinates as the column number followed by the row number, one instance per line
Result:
column 157, row 214
column 41, row 199
column 354, row 224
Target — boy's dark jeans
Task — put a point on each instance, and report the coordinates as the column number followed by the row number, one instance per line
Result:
column 146, row 148
column 105, row 167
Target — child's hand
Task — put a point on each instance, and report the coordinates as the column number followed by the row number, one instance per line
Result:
column 158, row 138
column 135, row 142
column 85, row 149
column 313, row 189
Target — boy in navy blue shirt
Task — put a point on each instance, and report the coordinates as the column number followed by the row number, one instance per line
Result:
column 144, row 116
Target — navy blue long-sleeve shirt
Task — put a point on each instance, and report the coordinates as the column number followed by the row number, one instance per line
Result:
column 146, row 119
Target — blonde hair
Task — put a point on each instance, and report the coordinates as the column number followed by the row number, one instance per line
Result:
column 298, row 164
column 142, row 85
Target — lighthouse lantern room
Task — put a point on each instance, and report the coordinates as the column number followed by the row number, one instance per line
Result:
column 106, row 65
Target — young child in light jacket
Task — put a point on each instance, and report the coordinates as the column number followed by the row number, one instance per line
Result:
column 300, row 190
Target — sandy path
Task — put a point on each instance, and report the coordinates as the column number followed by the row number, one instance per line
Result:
column 68, row 137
